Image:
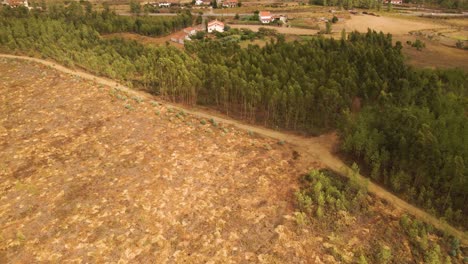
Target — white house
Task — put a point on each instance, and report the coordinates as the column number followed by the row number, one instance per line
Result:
column 215, row 25
column 202, row 2
column 230, row 3
column 16, row 3
column 265, row 17
column 164, row 4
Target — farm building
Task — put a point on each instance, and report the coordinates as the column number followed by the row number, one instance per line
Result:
column 230, row 3
column 394, row 2
column 281, row 18
column 203, row 2
column 215, row 25
column 191, row 31
column 265, row 17
column 180, row 38
column 186, row 34
column 164, row 4
column 16, row 3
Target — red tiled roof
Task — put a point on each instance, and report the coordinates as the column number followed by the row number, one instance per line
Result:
column 15, row 2
column 215, row 22
column 265, row 13
column 179, row 35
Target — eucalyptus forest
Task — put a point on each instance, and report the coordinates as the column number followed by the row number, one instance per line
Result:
column 406, row 127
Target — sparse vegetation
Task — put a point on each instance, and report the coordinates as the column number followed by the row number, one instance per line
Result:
column 418, row 44
column 325, row 195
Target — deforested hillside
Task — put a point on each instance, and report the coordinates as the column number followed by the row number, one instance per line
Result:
column 93, row 173
column 404, row 126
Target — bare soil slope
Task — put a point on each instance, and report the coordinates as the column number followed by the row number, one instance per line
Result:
column 86, row 175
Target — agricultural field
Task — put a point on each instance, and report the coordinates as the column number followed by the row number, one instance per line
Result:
column 95, row 173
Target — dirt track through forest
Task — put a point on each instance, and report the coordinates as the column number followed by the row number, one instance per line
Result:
column 312, row 148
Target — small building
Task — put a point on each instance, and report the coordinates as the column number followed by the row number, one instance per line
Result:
column 281, row 18
column 394, row 2
column 179, row 38
column 16, row 3
column 265, row 17
column 202, row 2
column 192, row 31
column 230, row 3
column 215, row 25
column 164, row 4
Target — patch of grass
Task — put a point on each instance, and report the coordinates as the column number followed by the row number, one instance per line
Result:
column 137, row 99
column 203, row 122
column 129, row 107
column 301, row 218
column 20, row 236
column 213, row 122
column 27, row 187
column 154, row 103
column 121, row 97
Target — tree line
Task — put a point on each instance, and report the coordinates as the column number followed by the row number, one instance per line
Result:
column 406, row 127
column 105, row 21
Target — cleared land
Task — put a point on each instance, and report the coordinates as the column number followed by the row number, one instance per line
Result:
column 145, row 39
column 282, row 30
column 392, row 25
column 88, row 176
column 93, row 173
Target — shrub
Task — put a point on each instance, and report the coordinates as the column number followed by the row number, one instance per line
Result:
column 418, row 44
column 385, row 255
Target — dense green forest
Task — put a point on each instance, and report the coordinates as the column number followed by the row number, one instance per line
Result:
column 106, row 21
column 406, row 127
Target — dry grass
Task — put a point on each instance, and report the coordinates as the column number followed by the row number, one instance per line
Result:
column 435, row 55
column 146, row 40
column 392, row 25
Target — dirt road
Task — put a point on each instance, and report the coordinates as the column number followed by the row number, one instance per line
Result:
column 314, row 148
column 282, row 30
